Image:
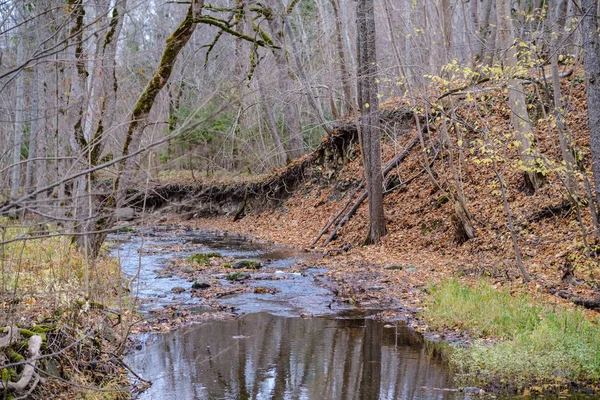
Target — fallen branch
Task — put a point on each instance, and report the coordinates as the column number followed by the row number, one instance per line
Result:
column 550, row 212
column 336, row 216
column 589, row 304
column 347, row 217
column 389, row 167
column 35, row 343
column 526, row 81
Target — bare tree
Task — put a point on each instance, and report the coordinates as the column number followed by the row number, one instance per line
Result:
column 591, row 57
column 369, row 121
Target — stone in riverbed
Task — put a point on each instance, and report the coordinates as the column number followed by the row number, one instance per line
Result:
column 200, row 285
column 125, row 214
column 178, row 289
column 247, row 264
column 187, row 269
column 237, row 276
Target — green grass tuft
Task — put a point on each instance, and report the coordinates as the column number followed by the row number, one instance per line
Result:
column 534, row 343
column 203, row 258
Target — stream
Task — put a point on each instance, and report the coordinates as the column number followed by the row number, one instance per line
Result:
column 269, row 352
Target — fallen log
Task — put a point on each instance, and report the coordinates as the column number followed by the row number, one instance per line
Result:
column 589, row 304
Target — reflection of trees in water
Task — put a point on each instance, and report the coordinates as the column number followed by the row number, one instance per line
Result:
column 291, row 358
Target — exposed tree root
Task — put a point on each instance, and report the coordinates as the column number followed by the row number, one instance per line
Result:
column 244, row 198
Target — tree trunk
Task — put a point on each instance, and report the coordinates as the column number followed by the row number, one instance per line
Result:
column 133, row 137
column 487, row 33
column 291, row 117
column 312, row 99
column 349, row 101
column 591, row 59
column 107, row 84
column 281, row 157
column 516, row 96
column 369, row 121
column 19, row 115
column 33, row 134
column 564, row 136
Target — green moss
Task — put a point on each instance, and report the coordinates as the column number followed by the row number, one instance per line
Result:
column 13, row 356
column 29, row 333
column 237, row 276
column 43, row 328
column 532, row 342
column 9, row 374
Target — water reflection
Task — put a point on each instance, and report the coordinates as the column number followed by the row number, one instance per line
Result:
column 261, row 356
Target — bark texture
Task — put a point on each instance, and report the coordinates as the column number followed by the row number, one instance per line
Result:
column 175, row 43
column 369, row 121
column 591, row 59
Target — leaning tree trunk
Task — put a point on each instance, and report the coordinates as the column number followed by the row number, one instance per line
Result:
column 369, row 121
column 591, row 59
column 133, row 137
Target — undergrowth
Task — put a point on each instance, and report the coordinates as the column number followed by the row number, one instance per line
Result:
column 52, row 269
column 79, row 307
column 517, row 342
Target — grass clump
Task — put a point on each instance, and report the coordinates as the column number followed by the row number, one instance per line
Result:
column 203, row 258
column 533, row 343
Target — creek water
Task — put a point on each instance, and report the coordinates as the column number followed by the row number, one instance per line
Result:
column 269, row 352
column 265, row 356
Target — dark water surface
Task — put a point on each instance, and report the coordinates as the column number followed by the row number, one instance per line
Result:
column 262, row 356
